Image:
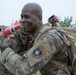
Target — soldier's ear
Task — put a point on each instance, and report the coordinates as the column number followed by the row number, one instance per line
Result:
column 39, row 18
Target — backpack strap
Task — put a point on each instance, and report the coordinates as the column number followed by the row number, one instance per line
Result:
column 43, row 30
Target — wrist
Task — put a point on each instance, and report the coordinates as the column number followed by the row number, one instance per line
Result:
column 5, row 54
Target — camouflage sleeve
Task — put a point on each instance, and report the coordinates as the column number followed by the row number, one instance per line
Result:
column 16, row 41
column 35, row 58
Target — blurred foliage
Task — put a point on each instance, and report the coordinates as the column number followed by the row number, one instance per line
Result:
column 67, row 22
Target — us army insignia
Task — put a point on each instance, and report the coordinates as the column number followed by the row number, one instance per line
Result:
column 40, row 51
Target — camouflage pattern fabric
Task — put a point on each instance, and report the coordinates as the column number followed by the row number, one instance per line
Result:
column 49, row 47
column 16, row 47
column 20, row 40
column 3, row 70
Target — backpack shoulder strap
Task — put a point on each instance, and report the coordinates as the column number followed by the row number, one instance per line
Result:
column 43, row 30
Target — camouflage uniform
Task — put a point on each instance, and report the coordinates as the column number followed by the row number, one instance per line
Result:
column 48, row 55
column 19, row 44
column 3, row 70
column 20, row 41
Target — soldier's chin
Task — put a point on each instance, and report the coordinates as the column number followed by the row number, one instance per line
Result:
column 26, row 29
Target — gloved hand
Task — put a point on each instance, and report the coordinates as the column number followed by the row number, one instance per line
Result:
column 6, row 43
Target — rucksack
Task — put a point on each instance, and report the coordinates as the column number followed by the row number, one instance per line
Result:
column 69, row 38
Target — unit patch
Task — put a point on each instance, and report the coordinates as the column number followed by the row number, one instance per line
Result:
column 40, row 51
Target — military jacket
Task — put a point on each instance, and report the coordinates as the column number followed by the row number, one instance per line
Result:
column 48, row 55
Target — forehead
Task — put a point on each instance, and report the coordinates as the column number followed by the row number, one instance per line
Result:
column 25, row 10
column 25, row 13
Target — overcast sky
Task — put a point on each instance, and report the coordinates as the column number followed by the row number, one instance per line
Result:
column 10, row 10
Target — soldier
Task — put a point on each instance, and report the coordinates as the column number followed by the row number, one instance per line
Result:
column 48, row 54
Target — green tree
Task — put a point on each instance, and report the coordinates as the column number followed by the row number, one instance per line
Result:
column 67, row 22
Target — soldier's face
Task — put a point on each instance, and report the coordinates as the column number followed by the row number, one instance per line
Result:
column 29, row 21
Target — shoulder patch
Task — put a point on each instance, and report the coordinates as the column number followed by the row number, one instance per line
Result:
column 40, row 51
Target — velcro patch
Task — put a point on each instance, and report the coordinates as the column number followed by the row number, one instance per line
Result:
column 40, row 51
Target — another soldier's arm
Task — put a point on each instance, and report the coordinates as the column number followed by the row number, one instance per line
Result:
column 35, row 58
